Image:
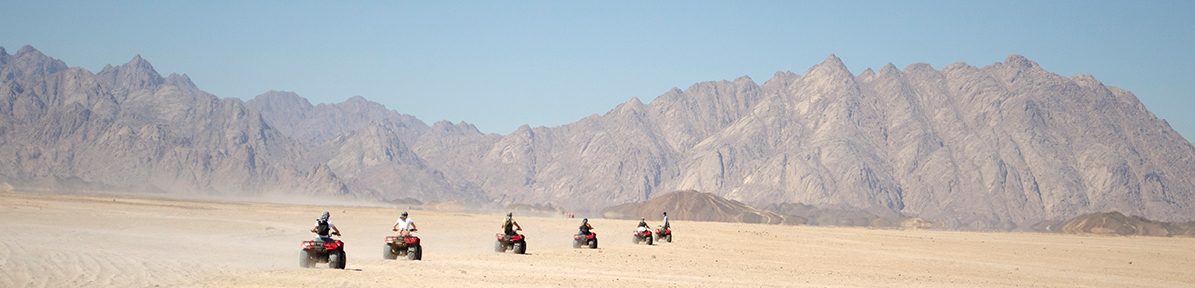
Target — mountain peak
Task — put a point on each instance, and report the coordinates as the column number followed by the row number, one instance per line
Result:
column 183, row 82
column 1018, row 61
column 274, row 100
column 833, row 60
column 26, row 49
column 889, row 70
column 867, row 72
column 832, row 67
column 136, row 74
column 28, row 62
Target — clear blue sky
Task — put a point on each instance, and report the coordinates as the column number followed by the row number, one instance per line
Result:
column 502, row 65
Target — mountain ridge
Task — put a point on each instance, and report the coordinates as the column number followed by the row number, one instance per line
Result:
column 1005, row 145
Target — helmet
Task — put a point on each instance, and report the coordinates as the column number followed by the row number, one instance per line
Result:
column 404, row 213
column 586, row 220
column 643, row 219
column 665, row 213
column 325, row 216
column 509, row 214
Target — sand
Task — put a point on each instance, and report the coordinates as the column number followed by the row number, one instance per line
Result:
column 79, row 240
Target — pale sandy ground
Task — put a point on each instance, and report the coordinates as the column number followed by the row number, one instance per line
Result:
column 74, row 240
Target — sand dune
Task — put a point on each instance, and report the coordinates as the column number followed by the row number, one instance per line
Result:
column 74, row 240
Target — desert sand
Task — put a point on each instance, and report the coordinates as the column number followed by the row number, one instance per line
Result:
column 53, row 240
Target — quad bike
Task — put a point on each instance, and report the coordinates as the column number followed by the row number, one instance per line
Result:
column 642, row 235
column 585, row 240
column 406, row 246
column 665, row 234
column 316, row 251
column 517, row 242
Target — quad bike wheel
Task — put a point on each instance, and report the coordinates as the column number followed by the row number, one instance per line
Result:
column 593, row 243
column 336, row 260
column 388, row 253
column 415, row 252
column 498, row 247
column 305, row 260
column 648, row 240
column 520, row 247
column 576, row 244
column 668, row 238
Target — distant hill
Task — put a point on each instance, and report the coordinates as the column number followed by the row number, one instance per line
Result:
column 696, row 206
column 1115, row 223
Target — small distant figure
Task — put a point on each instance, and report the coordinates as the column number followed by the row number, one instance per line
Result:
column 643, row 224
column 404, row 225
column 666, row 225
column 322, row 226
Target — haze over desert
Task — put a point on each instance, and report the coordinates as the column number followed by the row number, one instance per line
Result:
column 59, row 240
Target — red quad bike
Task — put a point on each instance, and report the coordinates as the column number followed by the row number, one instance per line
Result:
column 402, row 246
column 585, row 240
column 322, row 252
column 665, row 234
column 516, row 242
column 641, row 236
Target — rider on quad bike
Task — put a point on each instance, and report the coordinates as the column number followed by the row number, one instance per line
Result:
column 510, row 226
column 404, row 225
column 664, row 232
column 323, row 248
column 585, row 237
column 509, row 239
column 404, row 244
column 585, row 227
column 321, row 228
column 642, row 233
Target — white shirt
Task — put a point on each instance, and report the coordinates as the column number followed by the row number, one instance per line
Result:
column 330, row 225
column 404, row 225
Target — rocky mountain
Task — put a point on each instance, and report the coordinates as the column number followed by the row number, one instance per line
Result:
column 128, row 127
column 981, row 148
column 995, row 147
